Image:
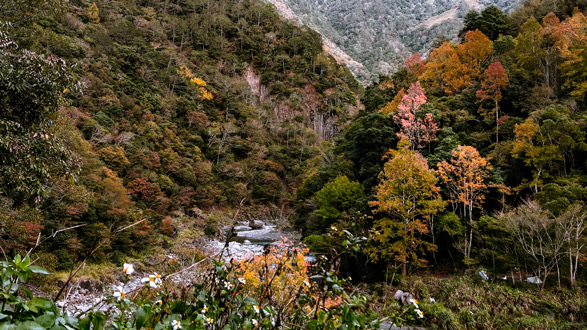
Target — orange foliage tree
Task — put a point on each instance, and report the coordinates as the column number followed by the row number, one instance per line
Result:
column 464, row 176
column 453, row 69
column 494, row 80
column 415, row 65
column 570, row 39
column 408, row 193
column 278, row 274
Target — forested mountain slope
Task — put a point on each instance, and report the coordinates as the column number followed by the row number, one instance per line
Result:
column 474, row 156
column 380, row 35
column 182, row 105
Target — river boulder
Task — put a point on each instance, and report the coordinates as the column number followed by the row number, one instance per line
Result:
column 256, row 224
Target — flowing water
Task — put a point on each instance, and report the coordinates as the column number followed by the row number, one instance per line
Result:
column 249, row 242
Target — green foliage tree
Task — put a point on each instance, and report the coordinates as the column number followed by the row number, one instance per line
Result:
column 491, row 21
column 337, row 199
column 32, row 152
column 548, row 141
column 369, row 137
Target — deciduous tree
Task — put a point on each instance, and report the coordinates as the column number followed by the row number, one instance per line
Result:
column 408, row 194
column 570, row 38
column 540, row 234
column 494, row 80
column 415, row 66
column 464, row 177
column 417, row 130
column 547, row 141
column 454, row 68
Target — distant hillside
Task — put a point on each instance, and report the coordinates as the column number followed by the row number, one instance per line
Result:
column 206, row 105
column 375, row 36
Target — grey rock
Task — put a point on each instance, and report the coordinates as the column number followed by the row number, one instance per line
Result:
column 91, row 286
column 402, row 296
column 256, row 224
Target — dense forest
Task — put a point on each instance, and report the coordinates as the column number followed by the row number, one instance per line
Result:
column 134, row 129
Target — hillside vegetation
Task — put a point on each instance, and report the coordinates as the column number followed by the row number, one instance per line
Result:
column 134, row 132
column 176, row 107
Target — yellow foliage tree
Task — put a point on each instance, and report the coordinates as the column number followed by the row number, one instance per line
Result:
column 278, row 274
column 408, row 193
column 464, row 176
column 94, row 14
column 391, row 107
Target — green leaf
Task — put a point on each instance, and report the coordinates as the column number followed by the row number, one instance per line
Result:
column 29, row 325
column 42, row 303
column 141, row 318
column 85, row 323
column 250, row 301
column 39, row 270
column 46, row 320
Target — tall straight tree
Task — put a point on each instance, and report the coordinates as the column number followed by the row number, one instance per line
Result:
column 409, row 195
column 464, row 176
column 494, row 80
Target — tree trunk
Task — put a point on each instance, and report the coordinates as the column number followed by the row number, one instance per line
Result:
column 496, row 122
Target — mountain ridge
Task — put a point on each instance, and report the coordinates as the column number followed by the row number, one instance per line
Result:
column 397, row 29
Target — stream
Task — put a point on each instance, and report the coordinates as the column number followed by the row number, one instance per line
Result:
column 247, row 242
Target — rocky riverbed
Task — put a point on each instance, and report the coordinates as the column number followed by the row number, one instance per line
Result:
column 88, row 295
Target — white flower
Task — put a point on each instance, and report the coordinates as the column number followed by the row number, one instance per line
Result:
column 158, row 279
column 307, row 283
column 159, row 302
column 205, row 309
column 209, row 320
column 228, row 285
column 128, row 269
column 255, row 323
column 420, row 313
column 242, row 280
column 119, row 294
column 176, row 325
column 414, row 302
column 333, row 228
column 154, row 280
column 256, row 309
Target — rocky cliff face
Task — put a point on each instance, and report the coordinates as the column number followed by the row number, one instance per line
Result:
column 373, row 37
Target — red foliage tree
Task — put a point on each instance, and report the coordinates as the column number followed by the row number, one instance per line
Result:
column 142, row 189
column 493, row 81
column 416, row 130
column 415, row 65
column 167, row 227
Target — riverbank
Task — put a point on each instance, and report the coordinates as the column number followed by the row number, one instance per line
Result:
column 88, row 291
